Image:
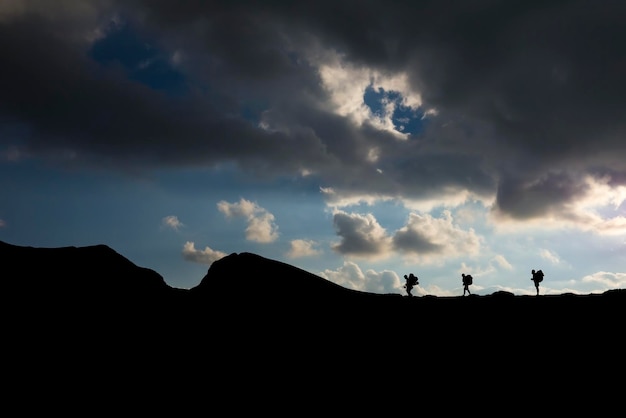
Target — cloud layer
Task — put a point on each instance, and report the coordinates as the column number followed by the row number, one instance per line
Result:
column 521, row 105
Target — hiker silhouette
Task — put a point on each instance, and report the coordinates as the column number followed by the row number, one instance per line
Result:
column 467, row 280
column 411, row 280
column 537, row 278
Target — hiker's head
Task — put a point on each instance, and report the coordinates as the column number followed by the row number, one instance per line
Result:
column 533, row 271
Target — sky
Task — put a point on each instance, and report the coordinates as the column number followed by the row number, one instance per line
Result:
column 356, row 140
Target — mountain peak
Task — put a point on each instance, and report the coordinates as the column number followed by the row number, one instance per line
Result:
column 251, row 275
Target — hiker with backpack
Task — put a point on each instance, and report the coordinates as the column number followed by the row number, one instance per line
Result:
column 467, row 281
column 411, row 280
column 537, row 278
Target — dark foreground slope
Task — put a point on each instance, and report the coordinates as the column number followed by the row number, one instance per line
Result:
column 246, row 288
column 89, row 314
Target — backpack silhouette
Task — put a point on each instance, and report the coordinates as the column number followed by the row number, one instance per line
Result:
column 468, row 279
column 539, row 276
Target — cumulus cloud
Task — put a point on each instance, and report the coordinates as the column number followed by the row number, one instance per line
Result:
column 243, row 208
column 303, row 248
column 605, row 280
column 429, row 238
column 172, row 222
column 261, row 226
column 351, row 276
column 361, row 235
column 423, row 239
column 206, row 256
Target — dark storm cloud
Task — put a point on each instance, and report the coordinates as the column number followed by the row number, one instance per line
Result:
column 545, row 195
column 66, row 102
column 523, row 90
column 407, row 239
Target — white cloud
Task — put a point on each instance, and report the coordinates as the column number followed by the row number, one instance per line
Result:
column 302, row 248
column 593, row 210
column 337, row 199
column 171, row 222
column 261, row 227
column 602, row 193
column 424, row 239
column 244, row 208
column 607, row 280
column 350, row 276
column 550, row 256
column 429, row 239
column 613, row 226
column 502, row 262
column 206, row 256
column 361, row 236
column 447, row 197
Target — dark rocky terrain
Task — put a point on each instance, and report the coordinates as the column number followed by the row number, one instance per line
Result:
column 83, row 312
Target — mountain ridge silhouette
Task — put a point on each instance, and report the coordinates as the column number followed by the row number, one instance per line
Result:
column 92, row 316
column 100, row 281
column 101, row 268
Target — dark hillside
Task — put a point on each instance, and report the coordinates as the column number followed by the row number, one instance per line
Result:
column 268, row 297
column 90, row 315
column 256, row 287
column 248, row 275
column 76, row 271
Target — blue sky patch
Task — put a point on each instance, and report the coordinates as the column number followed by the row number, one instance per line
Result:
column 141, row 58
column 405, row 119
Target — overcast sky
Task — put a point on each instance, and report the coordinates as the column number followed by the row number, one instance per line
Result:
column 357, row 140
